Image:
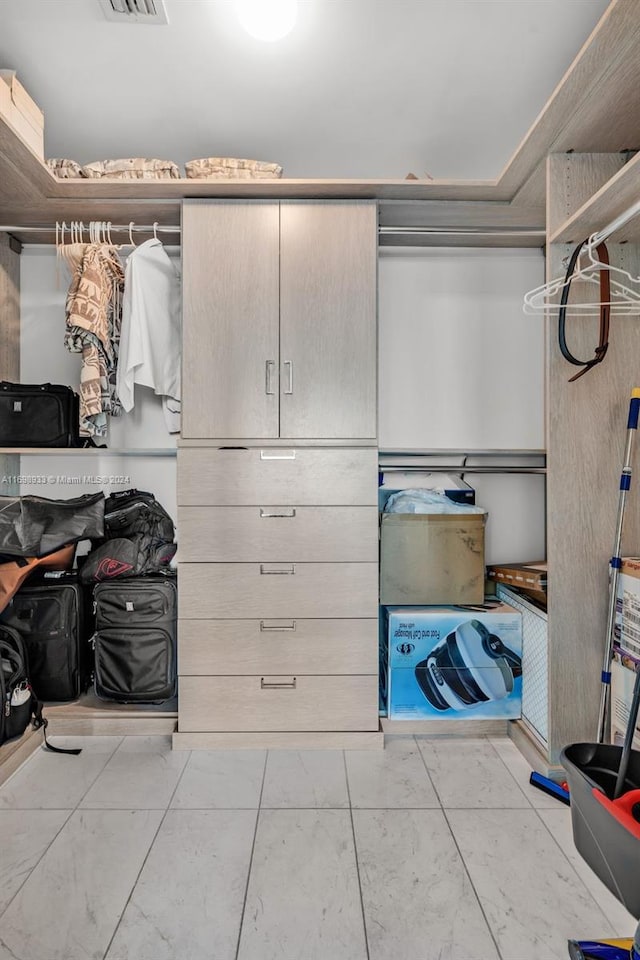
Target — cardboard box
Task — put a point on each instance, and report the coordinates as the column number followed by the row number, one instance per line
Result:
column 531, row 577
column 452, row 663
column 432, row 558
column 627, row 623
column 21, row 112
column 622, row 681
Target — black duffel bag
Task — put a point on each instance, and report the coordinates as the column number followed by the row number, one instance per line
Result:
column 34, row 526
column 39, row 415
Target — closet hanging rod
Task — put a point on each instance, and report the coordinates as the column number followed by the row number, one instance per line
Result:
column 459, row 468
column 459, row 232
column 616, row 224
column 114, row 227
column 453, row 452
column 382, row 230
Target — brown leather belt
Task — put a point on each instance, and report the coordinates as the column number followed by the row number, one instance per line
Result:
column 605, row 311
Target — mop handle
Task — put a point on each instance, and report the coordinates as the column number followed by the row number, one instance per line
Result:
column 616, row 562
column 628, row 739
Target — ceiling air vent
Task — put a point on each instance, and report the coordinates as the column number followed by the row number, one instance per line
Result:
column 134, row 11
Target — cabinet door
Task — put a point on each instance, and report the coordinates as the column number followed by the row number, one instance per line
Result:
column 328, row 355
column 230, row 317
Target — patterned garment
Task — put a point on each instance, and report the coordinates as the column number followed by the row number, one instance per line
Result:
column 94, row 316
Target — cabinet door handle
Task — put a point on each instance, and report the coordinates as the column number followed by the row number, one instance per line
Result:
column 269, row 366
column 277, row 684
column 281, row 513
column 288, row 569
column 277, row 454
column 289, row 365
column 266, row 627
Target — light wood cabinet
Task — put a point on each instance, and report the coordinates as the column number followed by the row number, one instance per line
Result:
column 278, row 598
column 279, row 320
column 230, row 320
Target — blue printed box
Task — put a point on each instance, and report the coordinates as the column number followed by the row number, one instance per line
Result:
column 454, row 662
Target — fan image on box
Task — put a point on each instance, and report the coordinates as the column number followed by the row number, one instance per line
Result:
column 471, row 666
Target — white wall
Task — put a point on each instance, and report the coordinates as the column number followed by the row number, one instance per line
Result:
column 44, row 358
column 461, row 367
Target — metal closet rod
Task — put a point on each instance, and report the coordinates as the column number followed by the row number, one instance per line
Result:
column 382, row 231
column 460, row 232
column 458, row 468
column 117, row 227
column 405, row 461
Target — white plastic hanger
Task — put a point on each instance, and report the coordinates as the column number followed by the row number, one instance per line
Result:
column 625, row 299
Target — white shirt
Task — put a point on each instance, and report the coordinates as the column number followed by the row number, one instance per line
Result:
column 150, row 342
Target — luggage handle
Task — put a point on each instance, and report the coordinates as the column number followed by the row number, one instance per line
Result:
column 285, row 514
column 279, row 628
column 289, row 569
column 277, row 684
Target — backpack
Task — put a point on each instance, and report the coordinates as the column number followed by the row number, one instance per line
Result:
column 17, row 697
column 138, row 539
column 19, row 704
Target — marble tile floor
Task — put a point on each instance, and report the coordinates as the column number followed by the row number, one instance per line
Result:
column 435, row 849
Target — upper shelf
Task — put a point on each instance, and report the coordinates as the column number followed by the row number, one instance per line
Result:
column 611, row 200
column 594, row 108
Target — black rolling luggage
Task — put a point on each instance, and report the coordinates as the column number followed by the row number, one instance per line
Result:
column 135, row 639
column 52, row 614
column 39, row 415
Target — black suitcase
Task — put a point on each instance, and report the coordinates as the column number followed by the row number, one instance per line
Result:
column 53, row 616
column 135, row 639
column 39, row 415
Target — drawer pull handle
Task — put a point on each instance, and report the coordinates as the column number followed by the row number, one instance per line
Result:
column 279, row 627
column 277, row 454
column 281, row 513
column 277, row 684
column 289, row 569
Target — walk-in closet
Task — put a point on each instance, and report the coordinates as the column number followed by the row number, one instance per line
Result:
column 350, row 566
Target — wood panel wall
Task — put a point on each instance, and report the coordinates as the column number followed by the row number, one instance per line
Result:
column 9, row 335
column 586, row 432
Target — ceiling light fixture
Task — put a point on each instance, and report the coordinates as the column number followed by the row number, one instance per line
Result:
column 267, row 19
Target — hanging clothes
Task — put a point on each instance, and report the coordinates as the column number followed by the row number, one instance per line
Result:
column 150, row 340
column 93, row 313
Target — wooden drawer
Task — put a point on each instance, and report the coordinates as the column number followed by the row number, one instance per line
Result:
column 207, row 647
column 249, row 534
column 270, row 590
column 277, row 703
column 302, row 476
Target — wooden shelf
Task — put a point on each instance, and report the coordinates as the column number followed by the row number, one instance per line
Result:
column 91, row 716
column 88, row 452
column 594, row 108
column 611, row 200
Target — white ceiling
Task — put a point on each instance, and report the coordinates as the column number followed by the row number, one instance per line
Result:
column 361, row 88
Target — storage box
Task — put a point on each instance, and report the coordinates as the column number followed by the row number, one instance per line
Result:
column 17, row 107
column 432, row 558
column 627, row 623
column 453, row 663
column 622, row 681
column 529, row 577
column 453, row 487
